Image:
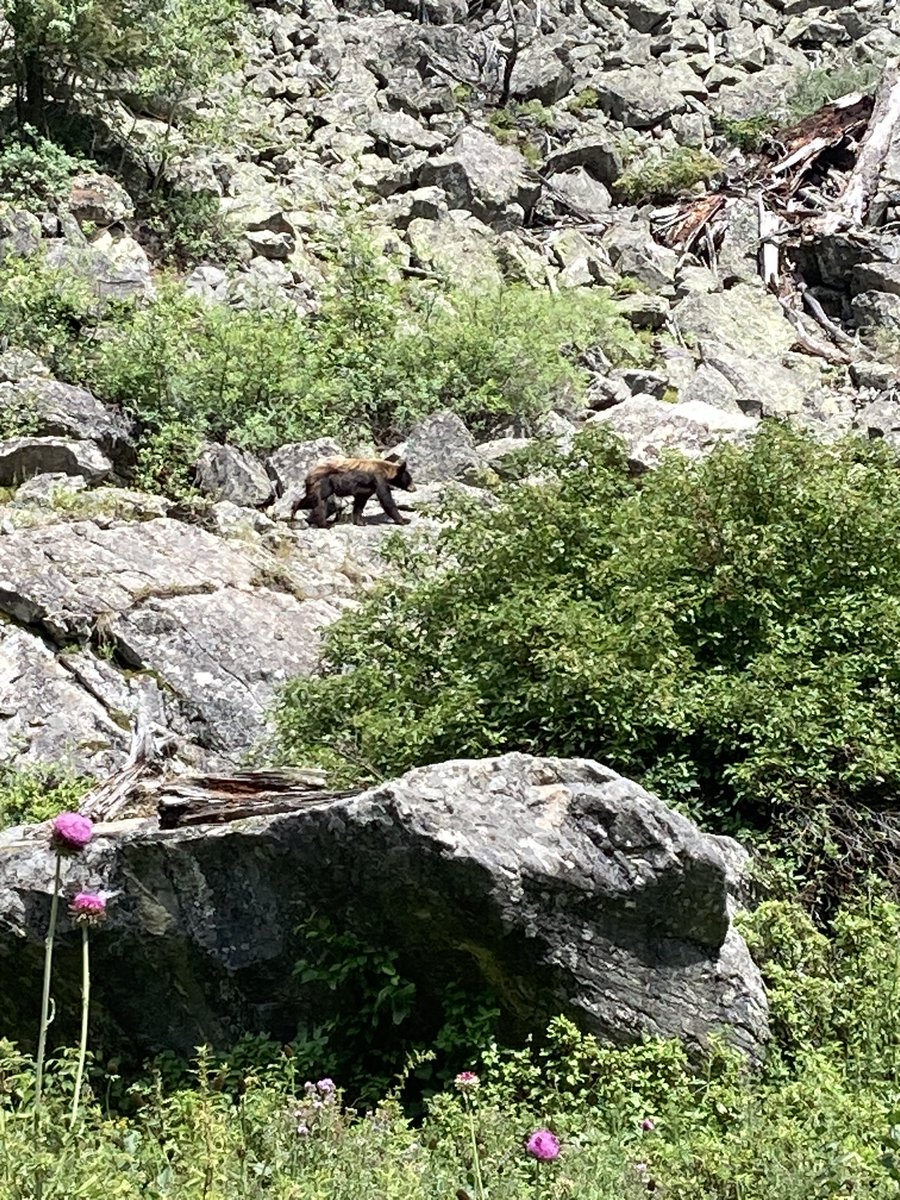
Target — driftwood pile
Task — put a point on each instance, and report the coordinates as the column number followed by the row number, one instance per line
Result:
column 814, row 179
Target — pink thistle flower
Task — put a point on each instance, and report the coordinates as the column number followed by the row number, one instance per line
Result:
column 543, row 1145
column 88, row 908
column 467, row 1081
column 648, row 1124
column 70, row 832
column 326, row 1086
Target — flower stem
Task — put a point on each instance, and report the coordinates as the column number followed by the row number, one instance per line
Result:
column 85, row 1005
column 476, row 1160
column 45, row 995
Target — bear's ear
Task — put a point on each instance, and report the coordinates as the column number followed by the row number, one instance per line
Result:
column 401, row 464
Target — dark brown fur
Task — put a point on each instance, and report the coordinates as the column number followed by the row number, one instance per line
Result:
column 361, row 478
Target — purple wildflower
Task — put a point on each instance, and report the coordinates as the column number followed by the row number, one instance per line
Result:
column 326, row 1086
column 88, row 908
column 70, row 832
column 648, row 1124
column 309, row 1088
column 543, row 1145
column 467, row 1081
column 303, row 1129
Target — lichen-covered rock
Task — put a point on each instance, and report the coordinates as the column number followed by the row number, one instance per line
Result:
column 21, row 458
column 651, row 427
column 638, row 98
column 99, row 199
column 114, row 268
column 290, row 464
column 493, row 182
column 745, row 319
column 440, row 448
column 460, row 251
column 49, row 408
column 228, row 473
column 556, row 883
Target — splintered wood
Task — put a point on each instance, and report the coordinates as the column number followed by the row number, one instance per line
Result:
column 818, row 177
column 799, row 171
column 216, row 799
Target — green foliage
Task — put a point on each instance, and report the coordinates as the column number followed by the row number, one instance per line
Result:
column 817, row 1121
column 379, row 1017
column 49, row 312
column 722, row 630
column 820, row 85
column 663, row 178
column 748, row 134
column 585, row 99
column 191, row 229
column 838, row 994
column 167, row 53
column 35, row 172
column 377, row 357
column 37, row 793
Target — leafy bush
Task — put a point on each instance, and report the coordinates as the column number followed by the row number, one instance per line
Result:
column 723, row 630
column 34, row 171
column 660, row 179
column 190, row 229
column 816, row 1122
column 375, row 358
column 166, row 52
column 748, row 134
column 49, row 312
column 821, row 85
column 37, row 793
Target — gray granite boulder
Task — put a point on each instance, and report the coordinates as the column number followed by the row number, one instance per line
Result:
column 556, row 883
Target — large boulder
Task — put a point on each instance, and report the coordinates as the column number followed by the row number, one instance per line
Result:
column 494, row 182
column 49, row 408
column 21, row 458
column 651, row 427
column 229, row 473
column 439, row 447
column 556, row 883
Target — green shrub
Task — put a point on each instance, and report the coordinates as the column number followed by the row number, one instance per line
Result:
column 191, row 229
column 820, row 85
column 722, row 630
column 376, row 357
column 35, row 172
column 748, row 134
column 49, row 312
column 663, row 178
column 37, row 793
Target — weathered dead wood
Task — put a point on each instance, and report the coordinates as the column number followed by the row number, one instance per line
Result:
column 768, row 226
column 216, row 799
column 851, row 208
column 815, row 310
column 808, row 344
column 684, row 225
column 148, row 746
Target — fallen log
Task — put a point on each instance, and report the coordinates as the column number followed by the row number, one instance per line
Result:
column 217, row 799
column 851, row 208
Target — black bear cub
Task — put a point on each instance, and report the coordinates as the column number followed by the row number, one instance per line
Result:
column 361, row 478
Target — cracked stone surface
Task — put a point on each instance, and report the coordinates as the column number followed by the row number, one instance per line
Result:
column 193, row 630
column 562, row 885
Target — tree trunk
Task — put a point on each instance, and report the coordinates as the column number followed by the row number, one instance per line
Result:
column 31, row 91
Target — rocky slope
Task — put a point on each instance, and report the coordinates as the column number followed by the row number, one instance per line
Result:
column 116, row 608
